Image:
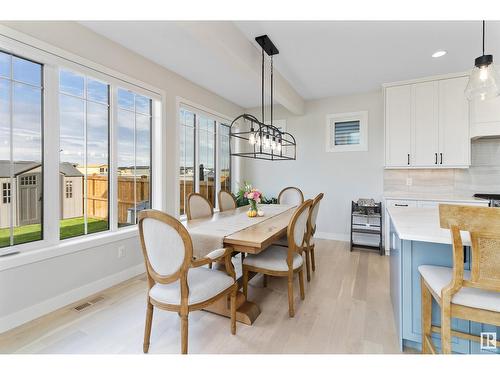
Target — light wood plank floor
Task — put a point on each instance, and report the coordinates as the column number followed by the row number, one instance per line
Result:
column 347, row 310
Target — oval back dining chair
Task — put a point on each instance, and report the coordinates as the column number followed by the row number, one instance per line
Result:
column 198, row 206
column 226, row 201
column 470, row 295
column 311, row 229
column 291, row 195
column 283, row 261
column 176, row 282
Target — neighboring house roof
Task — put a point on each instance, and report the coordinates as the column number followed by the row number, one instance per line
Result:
column 67, row 169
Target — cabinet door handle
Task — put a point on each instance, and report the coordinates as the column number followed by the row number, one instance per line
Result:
column 436, row 160
column 408, row 159
column 401, row 205
column 441, row 154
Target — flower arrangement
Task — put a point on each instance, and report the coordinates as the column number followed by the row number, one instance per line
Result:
column 253, row 196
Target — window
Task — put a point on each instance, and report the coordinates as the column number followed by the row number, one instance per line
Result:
column 347, row 132
column 224, row 158
column 69, row 189
column 204, row 163
column 21, row 92
column 84, row 134
column 6, row 192
column 134, row 117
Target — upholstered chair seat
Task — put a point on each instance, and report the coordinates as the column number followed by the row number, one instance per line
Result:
column 274, row 259
column 204, row 283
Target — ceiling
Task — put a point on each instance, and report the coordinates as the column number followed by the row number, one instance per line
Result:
column 318, row 58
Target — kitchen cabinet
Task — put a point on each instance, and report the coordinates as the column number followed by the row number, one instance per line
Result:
column 454, row 140
column 427, row 124
column 398, row 125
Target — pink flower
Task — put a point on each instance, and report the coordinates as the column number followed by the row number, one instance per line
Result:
column 257, row 200
column 245, row 195
column 250, row 195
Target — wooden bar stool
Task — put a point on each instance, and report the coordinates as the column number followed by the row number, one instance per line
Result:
column 470, row 295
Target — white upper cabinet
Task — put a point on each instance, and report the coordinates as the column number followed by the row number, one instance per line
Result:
column 454, row 141
column 425, row 142
column 398, row 126
column 427, row 124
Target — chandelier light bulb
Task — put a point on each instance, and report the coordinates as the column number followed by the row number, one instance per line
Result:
column 251, row 139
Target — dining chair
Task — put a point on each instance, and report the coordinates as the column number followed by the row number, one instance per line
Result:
column 470, row 295
column 226, row 201
column 283, row 261
column 311, row 230
column 198, row 206
column 176, row 281
column 291, row 195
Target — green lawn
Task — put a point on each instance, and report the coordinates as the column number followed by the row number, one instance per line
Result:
column 69, row 228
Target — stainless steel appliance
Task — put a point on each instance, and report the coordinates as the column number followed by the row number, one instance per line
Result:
column 493, row 198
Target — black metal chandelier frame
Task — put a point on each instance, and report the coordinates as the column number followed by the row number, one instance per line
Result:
column 259, row 134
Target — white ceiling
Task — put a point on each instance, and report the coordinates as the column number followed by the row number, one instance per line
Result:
column 322, row 59
column 318, row 58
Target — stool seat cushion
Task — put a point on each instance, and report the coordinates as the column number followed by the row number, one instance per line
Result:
column 439, row 277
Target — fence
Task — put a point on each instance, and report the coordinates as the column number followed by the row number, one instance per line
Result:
column 97, row 193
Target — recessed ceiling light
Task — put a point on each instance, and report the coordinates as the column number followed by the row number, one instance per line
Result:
column 439, row 53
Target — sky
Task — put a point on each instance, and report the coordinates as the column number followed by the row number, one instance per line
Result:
column 76, row 93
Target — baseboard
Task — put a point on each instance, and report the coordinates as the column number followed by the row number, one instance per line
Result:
column 346, row 237
column 30, row 313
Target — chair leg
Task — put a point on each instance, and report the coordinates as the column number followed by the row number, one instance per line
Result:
column 184, row 333
column 245, row 282
column 291, row 311
column 301, row 284
column 233, row 311
column 210, row 265
column 147, row 328
column 308, row 264
column 445, row 326
column 313, row 262
column 426, row 316
column 264, row 280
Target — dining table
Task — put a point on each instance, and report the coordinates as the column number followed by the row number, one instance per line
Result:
column 245, row 235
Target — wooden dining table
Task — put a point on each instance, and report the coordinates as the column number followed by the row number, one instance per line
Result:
column 252, row 239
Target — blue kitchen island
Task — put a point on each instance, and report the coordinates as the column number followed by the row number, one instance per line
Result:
column 416, row 239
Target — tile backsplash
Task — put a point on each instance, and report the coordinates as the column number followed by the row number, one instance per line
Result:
column 482, row 177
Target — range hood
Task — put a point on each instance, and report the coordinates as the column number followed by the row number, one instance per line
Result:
column 485, row 118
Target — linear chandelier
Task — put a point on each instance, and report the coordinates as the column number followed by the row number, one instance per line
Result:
column 255, row 139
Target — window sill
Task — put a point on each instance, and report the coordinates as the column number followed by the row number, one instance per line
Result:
column 64, row 247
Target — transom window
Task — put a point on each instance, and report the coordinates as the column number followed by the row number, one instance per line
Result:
column 28, row 180
column 347, row 132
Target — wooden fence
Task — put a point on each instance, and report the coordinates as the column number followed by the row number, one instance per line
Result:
column 97, row 192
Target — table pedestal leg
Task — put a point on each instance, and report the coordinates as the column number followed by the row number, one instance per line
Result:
column 246, row 311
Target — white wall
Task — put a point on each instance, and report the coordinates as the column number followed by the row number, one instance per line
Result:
column 342, row 176
column 28, row 291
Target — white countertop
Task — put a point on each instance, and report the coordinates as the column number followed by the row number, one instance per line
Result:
column 421, row 224
column 434, row 197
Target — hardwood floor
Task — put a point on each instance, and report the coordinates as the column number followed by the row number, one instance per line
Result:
column 347, row 309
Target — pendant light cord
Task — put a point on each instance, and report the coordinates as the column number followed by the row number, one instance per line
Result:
column 262, row 85
column 272, row 104
column 483, row 35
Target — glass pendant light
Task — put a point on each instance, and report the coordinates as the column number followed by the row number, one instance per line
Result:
column 251, row 138
column 483, row 80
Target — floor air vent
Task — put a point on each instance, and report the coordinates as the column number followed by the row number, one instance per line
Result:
column 87, row 304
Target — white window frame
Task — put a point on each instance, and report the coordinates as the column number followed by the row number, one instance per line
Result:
column 198, row 109
column 331, row 119
column 54, row 59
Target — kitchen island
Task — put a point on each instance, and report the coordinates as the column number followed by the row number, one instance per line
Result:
column 415, row 239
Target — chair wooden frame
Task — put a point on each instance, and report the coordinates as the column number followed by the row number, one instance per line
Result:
column 291, row 188
column 483, row 223
column 309, row 248
column 188, row 208
column 228, row 193
column 181, row 274
column 292, row 248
